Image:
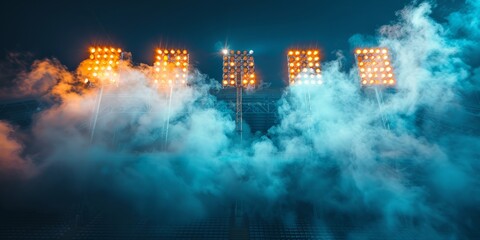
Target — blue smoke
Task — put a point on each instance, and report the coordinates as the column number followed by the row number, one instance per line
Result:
column 407, row 166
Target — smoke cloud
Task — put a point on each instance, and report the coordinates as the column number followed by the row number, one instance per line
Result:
column 11, row 162
column 405, row 166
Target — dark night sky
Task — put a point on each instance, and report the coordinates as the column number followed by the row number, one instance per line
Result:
column 64, row 30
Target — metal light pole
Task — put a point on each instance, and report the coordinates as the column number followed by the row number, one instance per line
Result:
column 101, row 68
column 170, row 69
column 238, row 72
column 376, row 72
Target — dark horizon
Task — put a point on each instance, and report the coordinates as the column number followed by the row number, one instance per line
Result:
column 66, row 30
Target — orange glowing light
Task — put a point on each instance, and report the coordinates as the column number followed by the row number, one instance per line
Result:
column 98, row 68
column 376, row 63
column 306, row 62
column 240, row 66
column 174, row 66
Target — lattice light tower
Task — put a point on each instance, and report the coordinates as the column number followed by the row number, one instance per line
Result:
column 238, row 72
column 171, row 67
column 304, row 67
column 374, row 67
column 102, row 65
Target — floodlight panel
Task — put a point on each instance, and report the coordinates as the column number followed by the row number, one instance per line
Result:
column 375, row 67
column 304, row 66
column 102, row 64
column 238, row 69
column 171, row 66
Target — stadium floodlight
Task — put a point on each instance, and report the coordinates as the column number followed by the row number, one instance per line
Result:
column 304, row 67
column 100, row 69
column 102, row 65
column 238, row 72
column 374, row 67
column 238, row 69
column 171, row 66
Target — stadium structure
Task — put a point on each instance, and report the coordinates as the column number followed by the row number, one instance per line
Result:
column 258, row 109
